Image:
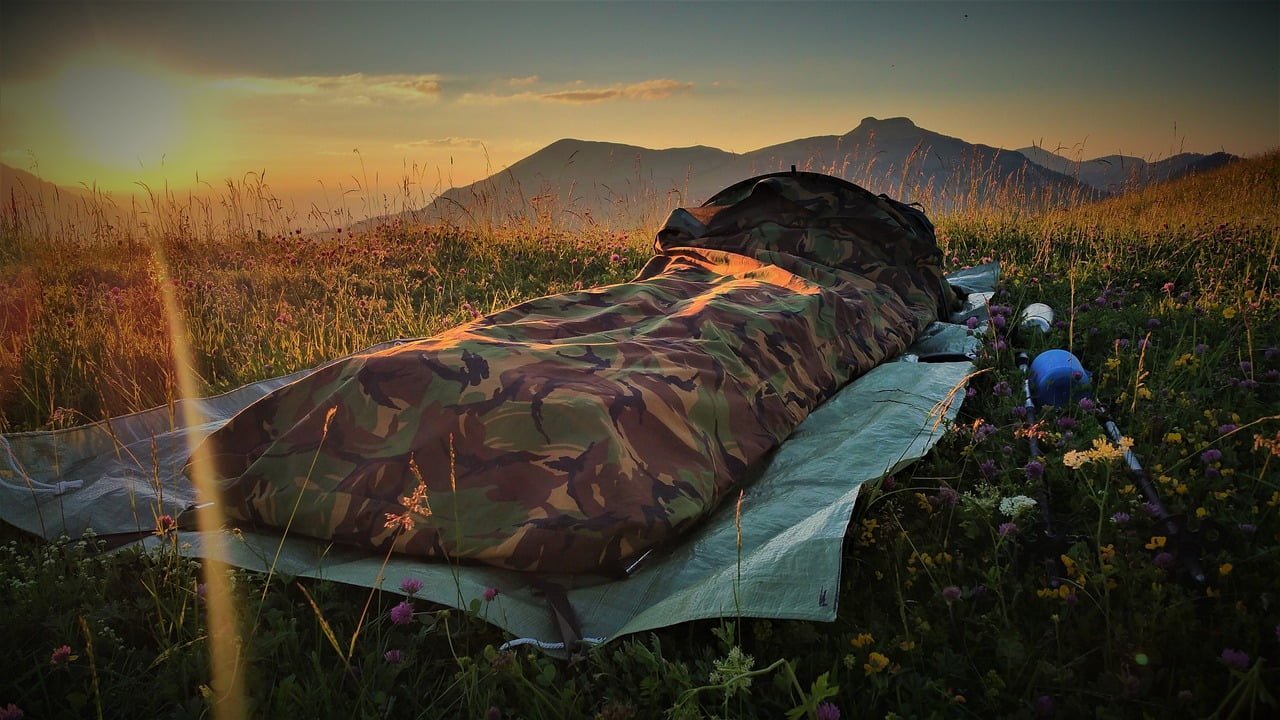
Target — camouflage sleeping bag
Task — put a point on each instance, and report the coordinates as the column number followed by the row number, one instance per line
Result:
column 585, row 428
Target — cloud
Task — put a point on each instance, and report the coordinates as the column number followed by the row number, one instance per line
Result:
column 445, row 142
column 656, row 89
column 349, row 89
column 522, row 81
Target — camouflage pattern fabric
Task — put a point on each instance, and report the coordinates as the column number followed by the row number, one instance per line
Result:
column 573, row 432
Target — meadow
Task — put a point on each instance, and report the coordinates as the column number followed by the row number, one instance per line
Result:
column 952, row 602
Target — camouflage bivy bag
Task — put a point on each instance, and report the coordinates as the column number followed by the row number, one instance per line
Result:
column 574, row 432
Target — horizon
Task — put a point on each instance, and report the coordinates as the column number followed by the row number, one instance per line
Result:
column 321, row 98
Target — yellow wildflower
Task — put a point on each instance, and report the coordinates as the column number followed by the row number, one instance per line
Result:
column 1225, row 569
column 862, row 640
column 1228, row 312
column 1173, row 438
column 1201, row 513
column 1156, row 542
column 907, row 645
column 875, row 663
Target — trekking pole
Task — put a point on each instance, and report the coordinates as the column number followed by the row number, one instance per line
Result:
column 1038, row 317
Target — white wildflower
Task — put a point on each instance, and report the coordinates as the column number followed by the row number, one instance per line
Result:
column 1017, row 506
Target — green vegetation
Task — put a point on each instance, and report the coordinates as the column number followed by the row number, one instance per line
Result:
column 1168, row 295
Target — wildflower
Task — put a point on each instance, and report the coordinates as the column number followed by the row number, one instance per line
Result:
column 1167, row 288
column 1151, row 509
column 947, row 496
column 971, row 323
column 1044, row 706
column 862, row 640
column 1228, row 312
column 1120, row 518
column 1237, row 659
column 1153, row 323
column 1225, row 569
column 492, row 713
column 1271, row 353
column 875, row 663
column 828, row 711
column 410, row 585
column 60, row 655
column 1007, row 529
column 1087, row 404
column 490, row 593
column 1173, row 438
column 1246, row 367
column 1211, row 455
column 393, row 657
column 1163, row 560
column 951, row 593
column 1020, row 412
column 165, row 524
column 615, row 258
column 983, row 431
column 1200, row 348
column 998, row 321
column 1034, row 470
column 402, row 614
column 1156, row 542
column 1002, row 389
column 1016, row 506
column 1067, row 422
column 988, row 469
column 1248, row 528
column 11, row 712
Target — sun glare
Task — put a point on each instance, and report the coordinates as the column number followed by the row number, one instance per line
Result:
column 121, row 112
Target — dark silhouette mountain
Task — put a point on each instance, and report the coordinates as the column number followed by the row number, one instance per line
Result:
column 1117, row 173
column 627, row 185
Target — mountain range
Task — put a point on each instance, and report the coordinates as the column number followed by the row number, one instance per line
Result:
column 623, row 184
column 619, row 185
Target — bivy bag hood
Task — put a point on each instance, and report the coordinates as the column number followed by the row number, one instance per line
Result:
column 575, row 432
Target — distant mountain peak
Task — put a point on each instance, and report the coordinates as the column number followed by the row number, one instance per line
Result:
column 893, row 123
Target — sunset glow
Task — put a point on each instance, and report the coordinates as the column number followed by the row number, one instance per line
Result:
column 342, row 102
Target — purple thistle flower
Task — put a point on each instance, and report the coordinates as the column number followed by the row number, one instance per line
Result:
column 11, row 712
column 947, row 496
column 828, row 711
column 1163, row 560
column 971, row 323
column 1067, row 422
column 988, row 469
column 393, row 657
column 1000, row 344
column 1034, row 470
column 970, row 392
column 1246, row 367
column 1225, row 428
column 1248, row 528
column 490, row 593
column 999, row 322
column 1271, row 375
column 410, row 585
column 1200, row 349
column 1019, row 411
column 1087, row 404
column 492, row 713
column 1007, row 529
column 1271, row 353
column 951, row 593
column 984, row 431
column 1044, row 706
column 1212, row 473
column 1121, row 518
column 1002, row 389
column 1211, row 455
column 1122, row 343
column 1237, row 659
column 402, row 614
column 1153, row 323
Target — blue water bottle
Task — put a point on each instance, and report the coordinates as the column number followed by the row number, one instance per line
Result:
column 1057, row 377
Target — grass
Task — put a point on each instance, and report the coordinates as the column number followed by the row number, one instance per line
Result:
column 949, row 606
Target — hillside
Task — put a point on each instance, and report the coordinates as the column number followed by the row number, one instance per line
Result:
column 1118, row 173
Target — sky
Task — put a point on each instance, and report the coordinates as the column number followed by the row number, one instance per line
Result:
column 317, row 98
